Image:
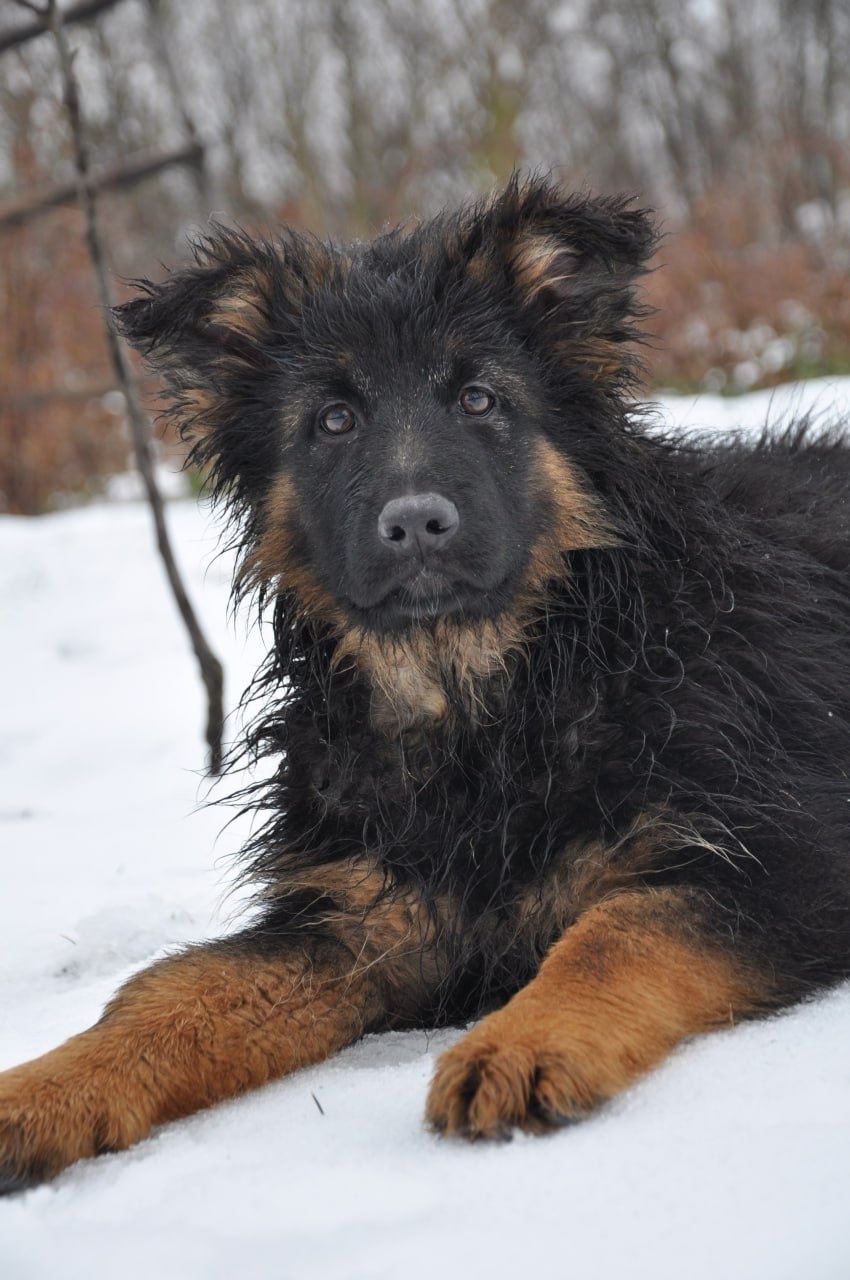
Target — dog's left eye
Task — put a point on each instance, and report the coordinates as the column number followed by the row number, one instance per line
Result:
column 336, row 419
column 476, row 401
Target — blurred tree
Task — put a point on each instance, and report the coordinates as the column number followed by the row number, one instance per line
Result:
column 341, row 114
column 210, row 668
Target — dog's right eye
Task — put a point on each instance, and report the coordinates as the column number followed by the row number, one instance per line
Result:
column 336, row 419
column 476, row 402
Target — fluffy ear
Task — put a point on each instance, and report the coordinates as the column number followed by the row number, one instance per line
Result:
column 215, row 331
column 219, row 303
column 571, row 262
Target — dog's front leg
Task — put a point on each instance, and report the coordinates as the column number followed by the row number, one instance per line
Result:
column 632, row 978
column 187, row 1032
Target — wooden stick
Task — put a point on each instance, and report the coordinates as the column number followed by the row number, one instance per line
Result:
column 77, row 13
column 210, row 667
column 127, row 175
column 67, row 395
column 164, row 52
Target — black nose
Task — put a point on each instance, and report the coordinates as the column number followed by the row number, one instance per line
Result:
column 420, row 522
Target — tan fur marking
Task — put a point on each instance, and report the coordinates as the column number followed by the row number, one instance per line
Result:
column 480, row 268
column 600, row 358
column 598, row 871
column 540, row 261
column 576, row 520
column 244, row 306
column 242, row 314
column 193, row 408
column 272, row 562
column 195, row 400
column 614, row 996
column 380, row 923
column 179, row 1037
column 215, row 1021
column 589, row 873
column 409, row 673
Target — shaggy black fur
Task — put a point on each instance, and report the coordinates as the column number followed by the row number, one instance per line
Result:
column 695, row 666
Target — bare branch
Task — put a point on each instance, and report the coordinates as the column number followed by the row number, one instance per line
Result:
column 127, row 175
column 164, row 53
column 78, row 13
column 32, row 7
column 210, row 667
column 65, row 395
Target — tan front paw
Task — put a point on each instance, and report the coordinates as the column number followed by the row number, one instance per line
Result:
column 52, row 1114
column 509, row 1073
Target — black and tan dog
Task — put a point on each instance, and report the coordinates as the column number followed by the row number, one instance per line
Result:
column 561, row 710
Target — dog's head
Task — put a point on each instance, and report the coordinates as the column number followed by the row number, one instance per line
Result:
column 411, row 427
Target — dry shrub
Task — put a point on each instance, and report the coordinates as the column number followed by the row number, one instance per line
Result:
column 54, row 439
column 740, row 305
column 62, row 428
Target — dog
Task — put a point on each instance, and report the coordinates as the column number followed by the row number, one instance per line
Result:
column 560, row 707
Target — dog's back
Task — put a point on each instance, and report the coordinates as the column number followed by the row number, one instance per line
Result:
column 795, row 486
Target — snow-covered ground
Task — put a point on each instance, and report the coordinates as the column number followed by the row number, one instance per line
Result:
column 731, row 1161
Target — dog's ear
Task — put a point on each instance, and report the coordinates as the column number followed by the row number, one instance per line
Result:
column 571, row 263
column 216, row 331
column 222, row 303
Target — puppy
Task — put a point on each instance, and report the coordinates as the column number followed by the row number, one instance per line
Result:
column 560, row 709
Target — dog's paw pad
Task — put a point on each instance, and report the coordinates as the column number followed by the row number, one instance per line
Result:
column 485, row 1087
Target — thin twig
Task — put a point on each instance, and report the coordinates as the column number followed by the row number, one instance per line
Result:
column 164, row 52
column 210, row 667
column 119, row 177
column 78, row 13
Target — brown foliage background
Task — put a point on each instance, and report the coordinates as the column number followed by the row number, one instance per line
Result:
column 734, row 122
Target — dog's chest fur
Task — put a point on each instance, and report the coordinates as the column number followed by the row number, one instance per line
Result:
column 481, row 804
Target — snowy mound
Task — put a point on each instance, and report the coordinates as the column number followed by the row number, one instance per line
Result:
column 729, row 1161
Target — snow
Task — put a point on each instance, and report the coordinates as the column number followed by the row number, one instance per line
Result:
column 731, row 1160
column 827, row 400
